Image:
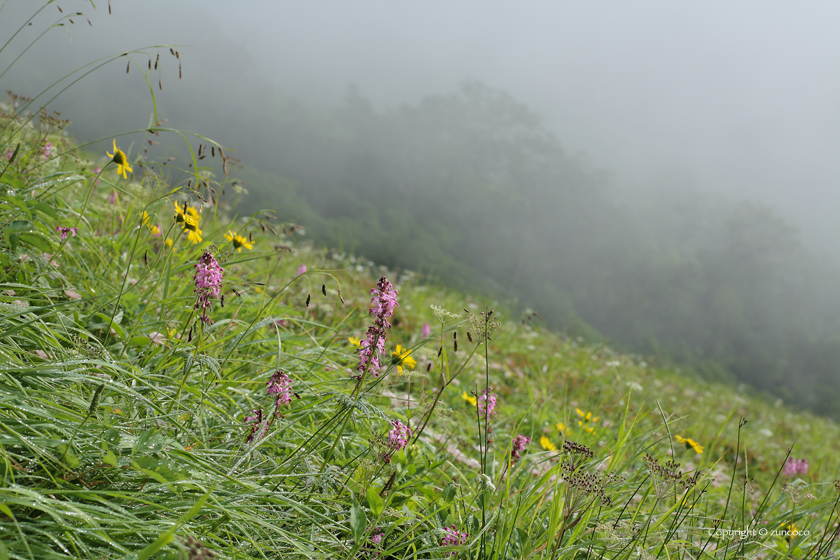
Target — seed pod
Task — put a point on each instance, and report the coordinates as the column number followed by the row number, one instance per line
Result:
column 456, row 345
column 308, row 297
column 429, row 367
column 94, row 402
column 469, row 336
column 189, row 337
column 324, row 289
column 440, row 350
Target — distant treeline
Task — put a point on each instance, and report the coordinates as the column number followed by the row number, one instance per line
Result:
column 470, row 188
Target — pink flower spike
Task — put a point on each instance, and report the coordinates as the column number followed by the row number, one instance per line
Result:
column 258, row 427
column 280, row 385
column 208, row 281
column 486, row 403
column 454, row 537
column 301, row 269
column 112, row 199
column 399, row 435
column 426, row 331
column 519, row 444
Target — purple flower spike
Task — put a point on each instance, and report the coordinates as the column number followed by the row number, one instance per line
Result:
column 486, row 403
column 519, row 444
column 453, row 537
column 399, row 435
column 795, row 467
column 208, row 281
column 258, row 426
column 384, row 300
column 280, row 385
column 427, row 330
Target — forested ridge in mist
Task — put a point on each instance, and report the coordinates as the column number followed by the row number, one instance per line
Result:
column 469, row 187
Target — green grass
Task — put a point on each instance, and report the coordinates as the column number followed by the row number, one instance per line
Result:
column 122, row 416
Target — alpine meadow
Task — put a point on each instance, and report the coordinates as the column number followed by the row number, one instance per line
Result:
column 415, row 331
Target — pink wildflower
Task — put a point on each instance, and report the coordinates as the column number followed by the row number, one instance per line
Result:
column 63, row 231
column 259, row 426
column 453, row 537
column 427, row 330
column 47, row 150
column 486, row 403
column 301, row 269
column 519, row 444
column 376, row 538
column 208, row 281
column 794, row 467
column 112, row 199
column 280, row 385
column 399, row 435
column 384, row 300
column 156, row 337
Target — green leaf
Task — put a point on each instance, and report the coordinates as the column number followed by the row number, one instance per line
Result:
column 69, row 459
column 448, row 493
column 110, row 459
column 4, row 552
column 149, row 442
column 375, row 501
column 19, row 203
column 44, row 208
column 38, row 240
column 358, row 521
column 18, row 226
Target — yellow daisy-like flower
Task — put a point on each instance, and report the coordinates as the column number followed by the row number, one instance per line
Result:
column 189, row 221
column 168, row 242
column 155, row 230
column 690, row 444
column 547, row 445
column 121, row 160
column 354, row 341
column 585, row 420
column 144, row 217
column 402, row 357
column 469, row 398
column 238, row 241
column 563, row 429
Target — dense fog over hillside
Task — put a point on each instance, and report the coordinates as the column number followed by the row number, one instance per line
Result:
column 659, row 175
column 741, row 99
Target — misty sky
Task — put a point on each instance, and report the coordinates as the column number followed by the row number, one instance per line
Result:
column 742, row 98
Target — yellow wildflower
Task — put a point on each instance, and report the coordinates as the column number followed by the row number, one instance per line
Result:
column 168, row 242
column 402, row 357
column 354, row 341
column 189, row 218
column 155, row 230
column 547, row 445
column 586, row 419
column 469, row 398
column 563, row 430
column 238, row 241
column 121, row 160
column 690, row 444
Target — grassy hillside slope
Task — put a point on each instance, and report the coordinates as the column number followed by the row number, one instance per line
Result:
column 134, row 425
